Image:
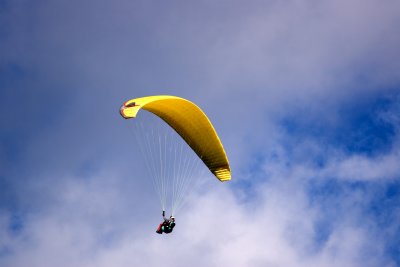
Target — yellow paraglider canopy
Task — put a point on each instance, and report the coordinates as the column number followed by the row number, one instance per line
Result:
column 190, row 122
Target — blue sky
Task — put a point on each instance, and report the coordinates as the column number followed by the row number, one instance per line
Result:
column 304, row 95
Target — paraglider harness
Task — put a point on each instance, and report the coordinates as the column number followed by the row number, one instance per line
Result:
column 167, row 226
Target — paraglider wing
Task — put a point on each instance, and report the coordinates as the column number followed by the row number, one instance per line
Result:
column 191, row 123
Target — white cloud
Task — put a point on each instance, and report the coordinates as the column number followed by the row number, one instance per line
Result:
column 277, row 227
column 360, row 168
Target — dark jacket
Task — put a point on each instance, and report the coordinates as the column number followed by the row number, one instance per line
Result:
column 169, row 227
